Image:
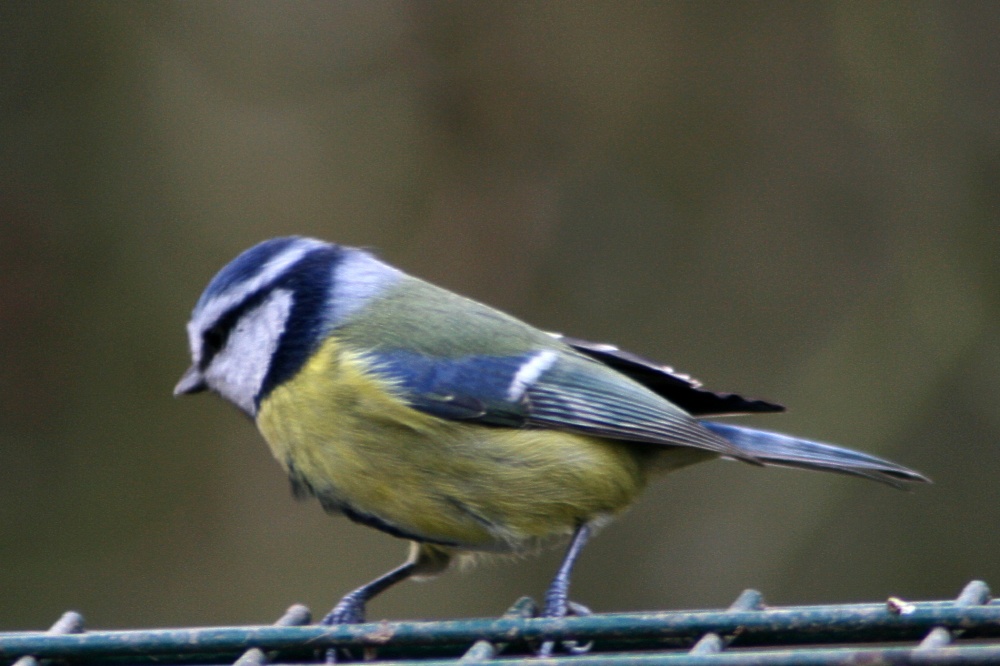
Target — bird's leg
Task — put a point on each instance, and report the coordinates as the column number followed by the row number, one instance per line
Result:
column 426, row 559
column 351, row 609
column 557, row 603
column 557, row 596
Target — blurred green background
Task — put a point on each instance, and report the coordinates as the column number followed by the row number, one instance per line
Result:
column 797, row 201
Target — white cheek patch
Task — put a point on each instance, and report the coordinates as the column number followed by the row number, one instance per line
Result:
column 238, row 370
column 529, row 373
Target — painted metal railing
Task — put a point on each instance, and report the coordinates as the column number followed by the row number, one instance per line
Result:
column 962, row 631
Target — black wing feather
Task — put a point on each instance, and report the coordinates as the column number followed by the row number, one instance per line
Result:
column 682, row 390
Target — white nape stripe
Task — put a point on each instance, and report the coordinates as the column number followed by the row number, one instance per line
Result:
column 357, row 278
column 238, row 370
column 221, row 303
column 529, row 373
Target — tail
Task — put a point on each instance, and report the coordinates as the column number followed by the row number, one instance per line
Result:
column 773, row 448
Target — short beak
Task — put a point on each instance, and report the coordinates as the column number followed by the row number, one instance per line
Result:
column 191, row 382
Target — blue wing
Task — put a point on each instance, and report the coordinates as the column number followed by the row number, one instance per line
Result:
column 564, row 390
column 466, row 388
column 548, row 388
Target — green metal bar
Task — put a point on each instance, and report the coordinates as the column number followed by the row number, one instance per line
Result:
column 484, row 650
column 975, row 593
column 951, row 656
column 296, row 616
column 866, row 622
column 712, row 642
column 69, row 623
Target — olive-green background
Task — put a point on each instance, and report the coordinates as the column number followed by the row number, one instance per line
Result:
column 798, row 201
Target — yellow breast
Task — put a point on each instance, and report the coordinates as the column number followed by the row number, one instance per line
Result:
column 345, row 432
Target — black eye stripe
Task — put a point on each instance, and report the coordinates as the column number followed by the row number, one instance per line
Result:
column 215, row 337
column 309, row 282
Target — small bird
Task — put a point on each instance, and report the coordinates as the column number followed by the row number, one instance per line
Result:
column 440, row 420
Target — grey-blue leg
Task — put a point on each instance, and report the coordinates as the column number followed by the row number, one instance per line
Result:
column 557, row 603
column 351, row 609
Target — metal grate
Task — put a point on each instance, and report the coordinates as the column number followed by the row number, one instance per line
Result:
column 963, row 631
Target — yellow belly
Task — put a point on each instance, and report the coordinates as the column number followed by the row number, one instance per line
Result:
column 483, row 488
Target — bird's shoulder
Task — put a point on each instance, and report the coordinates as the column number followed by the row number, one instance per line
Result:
column 422, row 318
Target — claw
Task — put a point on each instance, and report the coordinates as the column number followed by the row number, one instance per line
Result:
column 351, row 609
column 571, row 647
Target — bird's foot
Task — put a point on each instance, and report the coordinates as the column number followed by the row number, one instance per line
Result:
column 349, row 610
column 562, row 608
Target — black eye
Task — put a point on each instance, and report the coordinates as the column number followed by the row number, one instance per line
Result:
column 212, row 341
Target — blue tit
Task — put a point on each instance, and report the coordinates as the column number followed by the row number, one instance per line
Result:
column 440, row 420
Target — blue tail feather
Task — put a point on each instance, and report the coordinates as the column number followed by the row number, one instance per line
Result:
column 772, row 448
